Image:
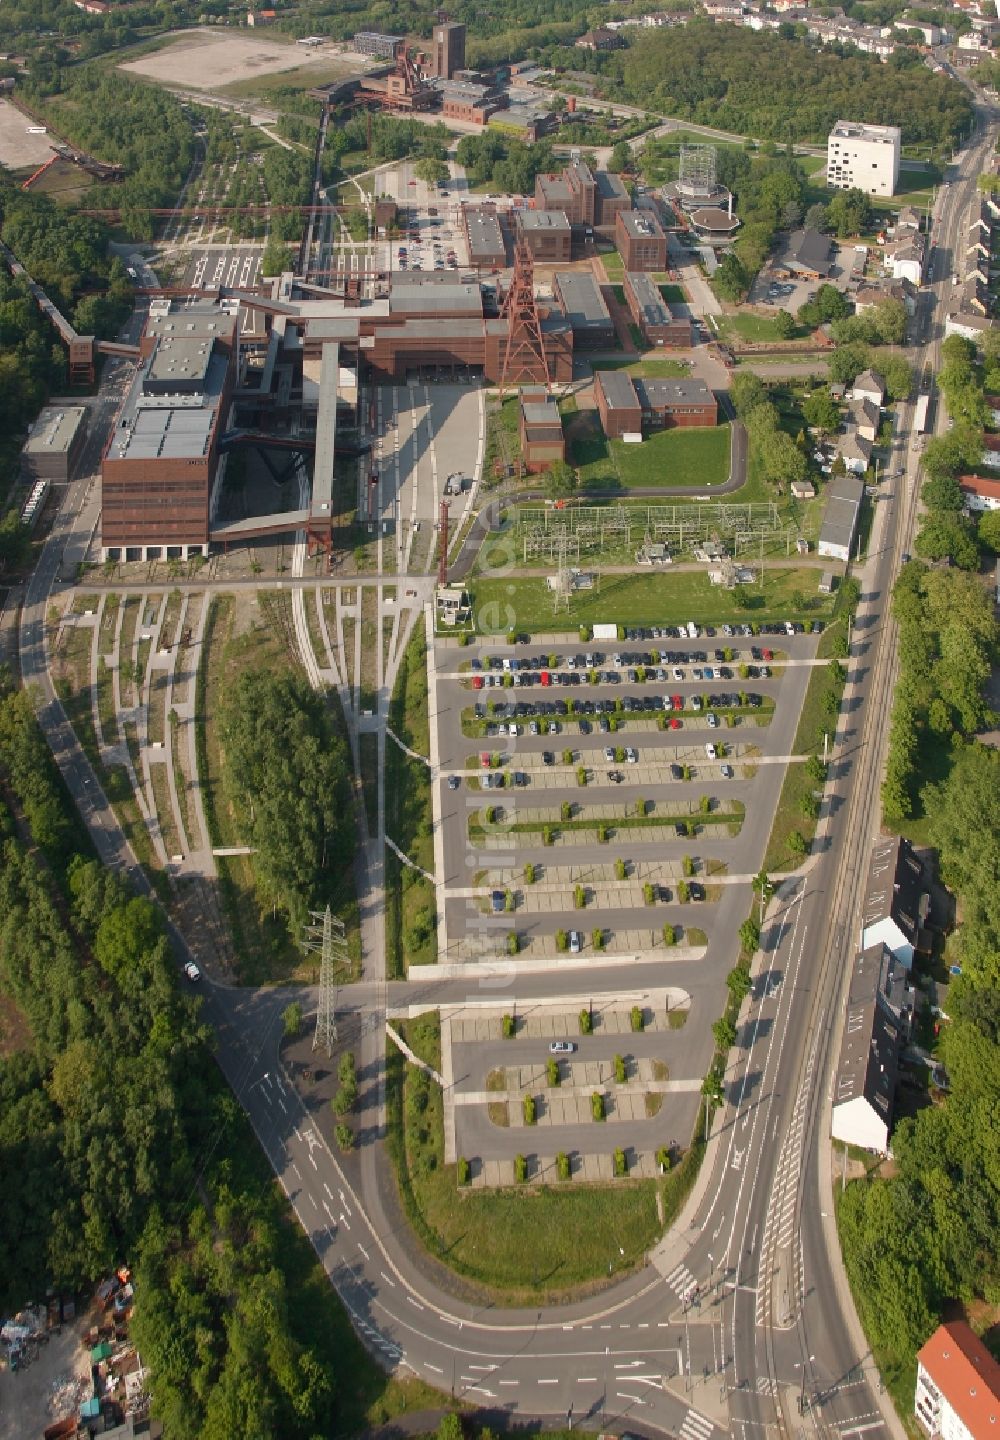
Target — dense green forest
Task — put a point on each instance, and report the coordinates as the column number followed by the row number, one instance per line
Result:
column 286, row 774
column 123, row 122
column 120, row 1142
column 509, row 165
column 927, row 1238
column 723, row 75
column 68, row 255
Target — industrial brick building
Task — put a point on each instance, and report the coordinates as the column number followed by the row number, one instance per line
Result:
column 631, row 405
column 610, row 196
column 542, row 439
column 583, row 305
column 660, row 325
column 617, row 404
column 162, row 457
column 547, row 234
column 676, row 403
column 200, row 388
column 484, row 238
column 587, row 197
column 640, row 240
column 447, row 52
column 574, row 192
column 470, row 102
column 53, row 447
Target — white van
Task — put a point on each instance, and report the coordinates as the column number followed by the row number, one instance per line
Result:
column 692, row 630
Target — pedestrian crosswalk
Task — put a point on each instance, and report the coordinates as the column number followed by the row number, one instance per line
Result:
column 695, row 1427
column 683, row 1282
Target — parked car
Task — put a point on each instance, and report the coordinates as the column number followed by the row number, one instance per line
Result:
column 192, row 972
column 561, row 1047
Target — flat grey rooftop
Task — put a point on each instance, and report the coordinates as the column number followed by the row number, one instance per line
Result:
column 55, row 430
column 326, row 434
column 619, row 392
column 581, row 298
column 539, row 220
column 648, row 297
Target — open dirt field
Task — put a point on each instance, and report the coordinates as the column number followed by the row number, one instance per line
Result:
column 208, row 60
column 17, row 147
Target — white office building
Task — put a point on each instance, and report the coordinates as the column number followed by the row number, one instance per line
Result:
column 863, row 157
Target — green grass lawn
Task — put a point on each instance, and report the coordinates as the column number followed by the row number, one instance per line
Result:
column 756, row 329
column 813, row 721
column 669, row 457
column 672, row 294
column 614, row 266
column 650, row 598
column 653, row 365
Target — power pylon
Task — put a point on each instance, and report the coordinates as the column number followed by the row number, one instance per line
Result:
column 524, row 357
column 326, row 936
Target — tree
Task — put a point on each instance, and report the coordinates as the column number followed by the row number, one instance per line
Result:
column 277, row 257
column 989, row 530
column 890, row 321
column 731, row 280
column 942, row 492
column 816, row 217
column 821, row 411
column 849, row 212
column 746, row 392
column 560, row 480
column 738, row 983
column 946, row 536
column 291, row 1019
column 897, row 373
column 749, row 936
column 431, row 170
column 724, row 1033
column 847, row 361
column 286, row 776
column 784, row 325
column 620, row 158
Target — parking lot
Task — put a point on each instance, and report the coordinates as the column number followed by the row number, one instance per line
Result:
column 432, row 236
column 599, row 801
column 648, row 1080
column 235, row 266
column 607, row 803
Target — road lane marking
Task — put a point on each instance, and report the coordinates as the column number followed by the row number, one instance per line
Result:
column 388, row 1279
column 327, row 1189
column 363, row 1251
column 509, row 1382
column 414, row 1302
column 436, row 1368
column 298, row 1172
column 546, row 1382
